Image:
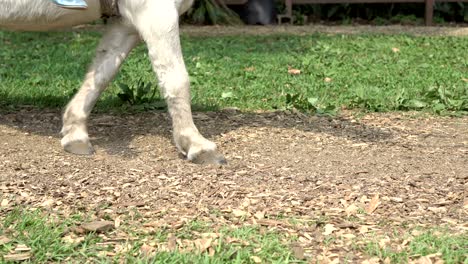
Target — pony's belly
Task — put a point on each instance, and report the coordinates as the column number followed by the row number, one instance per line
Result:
column 183, row 5
column 42, row 15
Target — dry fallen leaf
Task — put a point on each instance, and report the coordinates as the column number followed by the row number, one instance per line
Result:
column 210, row 235
column 396, row 199
column 211, row 252
column 363, row 229
column 249, row 69
column 437, row 210
column 147, row 250
column 349, row 236
column 246, row 203
column 171, row 242
column 383, row 242
column 98, row 226
column 294, row 71
column 329, row 229
column 375, row 260
column 298, row 251
column 435, row 255
column 22, row 248
column 17, row 257
column 203, row 244
column 271, row 222
column 239, row 213
column 47, row 203
column 178, row 224
column 256, row 259
column 104, row 254
column 424, row 260
column 450, row 221
column 117, row 222
column 4, row 240
column 260, row 215
column 72, row 239
column 4, row 203
column 406, row 242
column 373, row 204
column 351, row 210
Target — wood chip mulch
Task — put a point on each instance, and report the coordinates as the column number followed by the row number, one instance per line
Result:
column 347, row 177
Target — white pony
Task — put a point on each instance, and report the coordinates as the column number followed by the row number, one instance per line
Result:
column 153, row 21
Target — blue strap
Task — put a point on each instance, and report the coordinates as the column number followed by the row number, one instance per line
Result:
column 72, row 4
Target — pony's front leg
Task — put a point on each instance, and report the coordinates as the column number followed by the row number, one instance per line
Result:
column 111, row 52
column 158, row 25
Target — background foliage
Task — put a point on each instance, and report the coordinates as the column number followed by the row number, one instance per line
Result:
column 408, row 13
column 211, row 12
column 215, row 12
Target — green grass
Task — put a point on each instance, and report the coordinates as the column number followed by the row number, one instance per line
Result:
column 266, row 246
column 452, row 248
column 44, row 235
column 251, row 72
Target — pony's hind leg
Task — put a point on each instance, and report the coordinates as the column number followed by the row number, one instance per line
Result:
column 157, row 24
column 111, row 52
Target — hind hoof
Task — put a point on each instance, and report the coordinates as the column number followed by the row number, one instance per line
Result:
column 209, row 157
column 78, row 147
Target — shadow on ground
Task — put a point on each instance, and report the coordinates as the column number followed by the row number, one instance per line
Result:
column 114, row 133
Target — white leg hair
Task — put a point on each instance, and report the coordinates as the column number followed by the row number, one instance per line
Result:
column 154, row 21
column 158, row 26
column 111, row 52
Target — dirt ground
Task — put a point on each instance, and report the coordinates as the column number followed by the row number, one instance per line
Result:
column 350, row 175
column 459, row 31
column 456, row 30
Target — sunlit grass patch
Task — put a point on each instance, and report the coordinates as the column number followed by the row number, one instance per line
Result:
column 43, row 238
column 318, row 73
column 439, row 244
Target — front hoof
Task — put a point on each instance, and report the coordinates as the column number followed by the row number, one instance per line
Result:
column 209, row 157
column 78, row 147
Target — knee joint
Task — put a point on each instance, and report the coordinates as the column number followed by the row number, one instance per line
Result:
column 175, row 86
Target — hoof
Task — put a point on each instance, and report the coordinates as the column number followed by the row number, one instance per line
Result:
column 209, row 157
column 79, row 147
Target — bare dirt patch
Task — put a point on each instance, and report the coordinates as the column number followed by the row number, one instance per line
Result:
column 459, row 31
column 341, row 176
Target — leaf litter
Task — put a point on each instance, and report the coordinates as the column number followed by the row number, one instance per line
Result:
column 342, row 177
